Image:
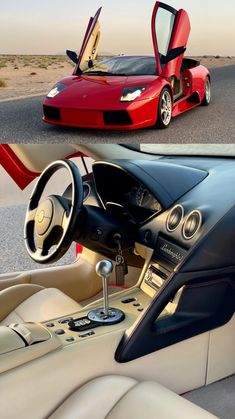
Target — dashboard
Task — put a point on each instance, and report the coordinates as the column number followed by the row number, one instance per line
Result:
column 180, row 200
column 122, row 194
column 185, row 230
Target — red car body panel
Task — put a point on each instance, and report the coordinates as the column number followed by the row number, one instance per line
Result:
column 194, row 94
column 95, row 101
column 179, row 38
column 79, row 106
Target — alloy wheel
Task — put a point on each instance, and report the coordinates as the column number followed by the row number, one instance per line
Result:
column 166, row 108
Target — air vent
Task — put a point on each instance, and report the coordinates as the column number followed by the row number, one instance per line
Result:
column 192, row 224
column 174, row 218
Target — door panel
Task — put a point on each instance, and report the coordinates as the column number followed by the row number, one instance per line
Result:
column 170, row 30
column 90, row 43
column 179, row 38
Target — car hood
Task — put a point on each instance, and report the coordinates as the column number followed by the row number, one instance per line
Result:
column 86, row 90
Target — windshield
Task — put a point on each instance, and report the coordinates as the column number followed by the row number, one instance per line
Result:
column 223, row 150
column 125, row 66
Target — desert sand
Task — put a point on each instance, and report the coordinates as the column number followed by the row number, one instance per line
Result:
column 27, row 75
column 31, row 75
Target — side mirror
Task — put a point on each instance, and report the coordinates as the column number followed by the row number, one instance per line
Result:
column 73, row 56
column 172, row 54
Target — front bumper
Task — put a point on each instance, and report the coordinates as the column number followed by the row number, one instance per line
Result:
column 128, row 116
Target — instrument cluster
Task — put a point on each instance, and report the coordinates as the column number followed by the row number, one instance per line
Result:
column 141, row 197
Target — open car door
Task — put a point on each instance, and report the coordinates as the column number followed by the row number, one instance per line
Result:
column 170, row 33
column 89, row 47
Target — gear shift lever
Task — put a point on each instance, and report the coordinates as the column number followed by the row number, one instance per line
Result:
column 104, row 268
column 105, row 315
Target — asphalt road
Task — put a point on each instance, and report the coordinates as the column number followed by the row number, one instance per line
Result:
column 20, row 121
column 13, row 254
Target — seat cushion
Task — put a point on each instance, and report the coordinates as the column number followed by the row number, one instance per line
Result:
column 43, row 304
column 95, row 399
column 118, row 397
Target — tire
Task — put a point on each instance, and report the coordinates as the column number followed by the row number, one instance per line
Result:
column 164, row 113
column 207, row 93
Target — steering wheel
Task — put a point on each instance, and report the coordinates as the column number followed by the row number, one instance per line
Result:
column 50, row 225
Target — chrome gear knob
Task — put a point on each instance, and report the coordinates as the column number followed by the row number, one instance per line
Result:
column 104, row 268
column 105, row 315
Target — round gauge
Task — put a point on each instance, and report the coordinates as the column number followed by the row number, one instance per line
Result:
column 143, row 197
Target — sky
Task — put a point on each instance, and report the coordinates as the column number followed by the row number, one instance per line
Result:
column 52, row 26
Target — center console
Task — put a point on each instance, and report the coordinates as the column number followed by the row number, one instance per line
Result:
column 20, row 343
column 163, row 261
column 78, row 327
column 98, row 318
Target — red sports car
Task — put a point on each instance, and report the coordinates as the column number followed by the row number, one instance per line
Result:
column 131, row 92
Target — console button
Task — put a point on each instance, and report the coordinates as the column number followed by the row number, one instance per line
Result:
column 136, row 304
column 70, row 339
column 86, row 334
column 65, row 320
column 60, row 332
column 128, row 300
column 140, row 309
column 50, row 324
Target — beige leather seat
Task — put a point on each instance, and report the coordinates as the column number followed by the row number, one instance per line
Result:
column 118, row 397
column 33, row 303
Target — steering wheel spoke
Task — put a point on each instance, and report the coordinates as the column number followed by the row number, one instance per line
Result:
column 62, row 210
column 40, row 242
column 39, row 252
column 30, row 215
column 65, row 220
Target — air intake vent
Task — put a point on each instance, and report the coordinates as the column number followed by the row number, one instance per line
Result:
column 192, row 224
column 174, row 218
column 117, row 118
column 51, row 113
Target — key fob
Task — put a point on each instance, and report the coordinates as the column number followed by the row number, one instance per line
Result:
column 82, row 324
column 120, row 272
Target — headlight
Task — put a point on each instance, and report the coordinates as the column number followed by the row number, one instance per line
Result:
column 56, row 90
column 131, row 93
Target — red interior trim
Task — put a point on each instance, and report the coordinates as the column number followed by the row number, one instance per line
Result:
column 15, row 168
column 77, row 154
column 118, row 286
